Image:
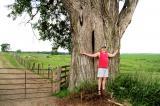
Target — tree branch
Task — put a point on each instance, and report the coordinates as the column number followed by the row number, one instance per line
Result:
column 50, row 2
column 105, row 7
column 125, row 15
column 33, row 15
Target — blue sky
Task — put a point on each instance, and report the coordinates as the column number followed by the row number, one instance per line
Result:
column 142, row 35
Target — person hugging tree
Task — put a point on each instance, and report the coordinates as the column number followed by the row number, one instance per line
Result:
column 102, row 73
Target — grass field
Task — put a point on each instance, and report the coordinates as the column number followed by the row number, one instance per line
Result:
column 129, row 62
column 140, row 63
column 46, row 59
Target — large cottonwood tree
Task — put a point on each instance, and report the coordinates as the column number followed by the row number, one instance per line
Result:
column 96, row 23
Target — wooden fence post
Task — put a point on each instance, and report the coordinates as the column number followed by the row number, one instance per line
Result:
column 49, row 70
column 38, row 67
column 42, row 65
column 25, row 85
column 23, row 62
column 33, row 66
column 56, row 80
column 28, row 65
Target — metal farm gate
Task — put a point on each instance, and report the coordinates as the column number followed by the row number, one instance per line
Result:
column 19, row 83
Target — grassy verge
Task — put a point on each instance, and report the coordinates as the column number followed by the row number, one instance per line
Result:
column 64, row 92
column 85, row 87
column 139, row 88
column 12, row 60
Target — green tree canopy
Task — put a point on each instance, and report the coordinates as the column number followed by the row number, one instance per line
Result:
column 5, row 47
column 52, row 23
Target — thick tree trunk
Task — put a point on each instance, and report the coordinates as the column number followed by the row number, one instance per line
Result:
column 94, row 23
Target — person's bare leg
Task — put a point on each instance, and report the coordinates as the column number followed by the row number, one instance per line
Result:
column 103, row 86
column 104, row 83
column 99, row 85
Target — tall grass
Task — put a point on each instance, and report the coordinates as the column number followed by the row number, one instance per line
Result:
column 139, row 88
column 64, row 92
column 87, row 87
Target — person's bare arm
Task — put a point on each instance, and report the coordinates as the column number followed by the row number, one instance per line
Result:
column 91, row 55
column 114, row 54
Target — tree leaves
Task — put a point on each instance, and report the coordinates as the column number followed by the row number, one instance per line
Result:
column 5, row 47
column 53, row 21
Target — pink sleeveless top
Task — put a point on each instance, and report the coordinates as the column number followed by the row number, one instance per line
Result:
column 103, row 59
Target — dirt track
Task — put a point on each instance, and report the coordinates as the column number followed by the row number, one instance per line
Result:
column 45, row 101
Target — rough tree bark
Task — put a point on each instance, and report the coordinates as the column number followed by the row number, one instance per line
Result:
column 96, row 23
